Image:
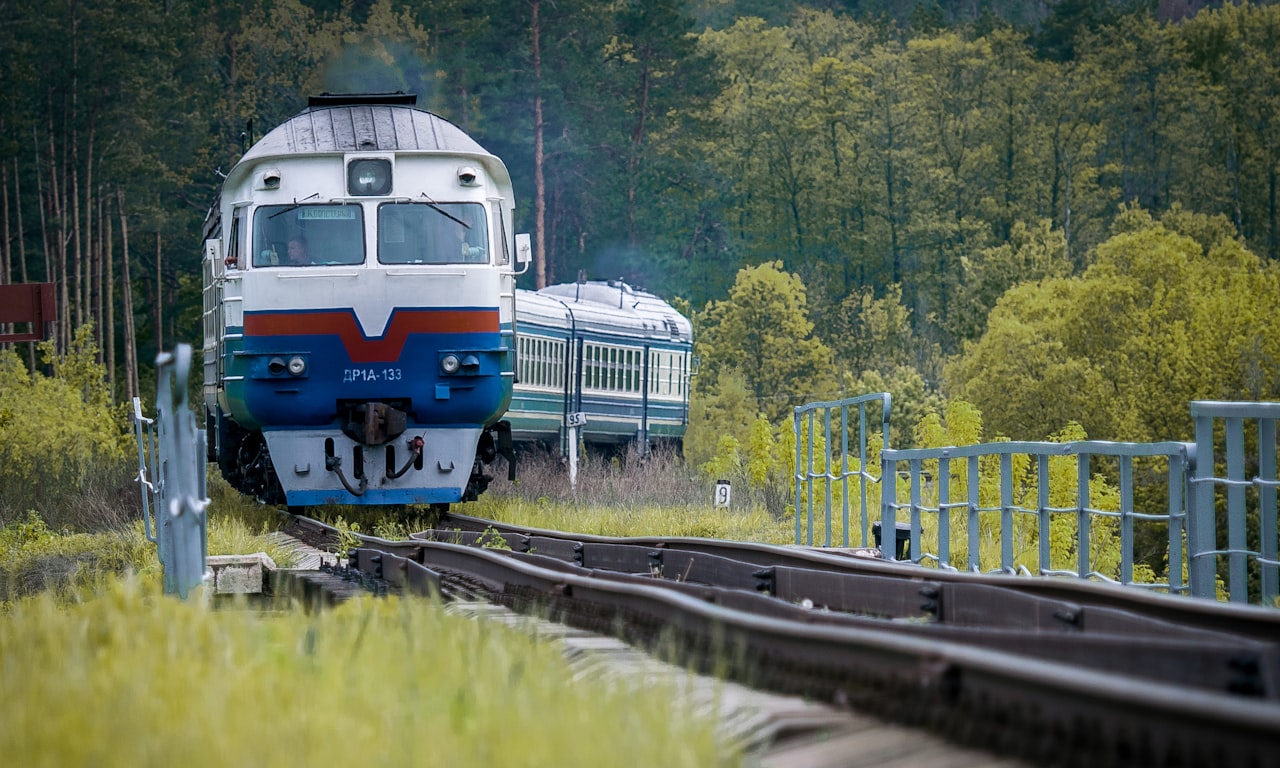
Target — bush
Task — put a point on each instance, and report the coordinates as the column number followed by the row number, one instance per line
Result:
column 35, row 559
column 64, row 451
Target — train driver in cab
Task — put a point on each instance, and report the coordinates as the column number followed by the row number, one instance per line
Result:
column 297, row 254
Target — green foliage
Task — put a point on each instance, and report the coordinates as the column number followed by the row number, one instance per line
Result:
column 490, row 538
column 59, row 437
column 763, row 332
column 348, row 534
column 1157, row 320
column 727, row 461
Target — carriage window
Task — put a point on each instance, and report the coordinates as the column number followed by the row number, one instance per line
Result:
column 307, row 235
column 432, row 233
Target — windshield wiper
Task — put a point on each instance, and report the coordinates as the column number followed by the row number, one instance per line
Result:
column 296, row 205
column 436, row 207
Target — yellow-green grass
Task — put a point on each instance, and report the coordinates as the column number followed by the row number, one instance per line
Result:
column 128, row 677
column 750, row 524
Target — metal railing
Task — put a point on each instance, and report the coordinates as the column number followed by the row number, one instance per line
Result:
column 1247, row 505
column 807, row 473
column 171, row 475
column 1076, row 508
column 1025, row 488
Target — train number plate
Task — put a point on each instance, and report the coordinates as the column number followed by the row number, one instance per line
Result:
column 350, row 375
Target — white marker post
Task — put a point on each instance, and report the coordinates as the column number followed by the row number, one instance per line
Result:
column 574, row 421
column 723, row 494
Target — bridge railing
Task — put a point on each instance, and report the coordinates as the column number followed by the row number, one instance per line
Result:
column 1234, row 514
column 826, row 472
column 1004, row 507
column 1120, row 512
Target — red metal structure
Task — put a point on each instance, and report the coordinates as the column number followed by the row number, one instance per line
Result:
column 30, row 303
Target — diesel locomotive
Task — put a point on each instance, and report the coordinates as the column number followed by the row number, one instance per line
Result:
column 359, row 300
column 364, row 341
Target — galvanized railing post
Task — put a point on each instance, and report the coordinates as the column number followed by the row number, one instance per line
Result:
column 1203, row 518
column 145, row 430
column 888, row 508
column 174, row 491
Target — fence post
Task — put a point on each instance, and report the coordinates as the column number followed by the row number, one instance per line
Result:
column 173, row 493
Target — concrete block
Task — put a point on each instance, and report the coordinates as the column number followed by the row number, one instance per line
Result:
column 239, row 574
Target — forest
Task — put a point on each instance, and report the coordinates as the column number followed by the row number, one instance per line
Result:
column 1059, row 212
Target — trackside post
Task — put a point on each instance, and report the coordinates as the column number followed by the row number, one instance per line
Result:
column 174, row 499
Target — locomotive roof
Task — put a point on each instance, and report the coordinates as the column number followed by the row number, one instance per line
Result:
column 605, row 307
column 364, row 128
column 336, row 125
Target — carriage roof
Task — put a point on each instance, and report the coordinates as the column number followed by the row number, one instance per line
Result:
column 604, row 307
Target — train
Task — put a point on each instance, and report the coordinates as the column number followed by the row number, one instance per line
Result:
column 602, row 362
column 364, row 339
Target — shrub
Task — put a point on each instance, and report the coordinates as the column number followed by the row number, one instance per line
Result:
column 64, row 451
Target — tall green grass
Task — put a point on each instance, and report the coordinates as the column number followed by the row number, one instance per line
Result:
column 130, row 678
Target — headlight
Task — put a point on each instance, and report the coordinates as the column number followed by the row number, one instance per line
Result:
column 450, row 363
column 297, row 366
column 369, row 176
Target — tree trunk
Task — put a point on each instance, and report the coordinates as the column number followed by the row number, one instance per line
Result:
column 22, row 247
column 77, row 242
column 17, row 207
column 109, row 331
column 130, row 343
column 73, row 141
column 159, row 299
column 539, row 180
column 90, row 285
column 4, row 228
column 58, row 208
column 6, row 257
column 100, row 286
column 637, row 144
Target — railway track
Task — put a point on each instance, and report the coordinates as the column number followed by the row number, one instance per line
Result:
column 1055, row 672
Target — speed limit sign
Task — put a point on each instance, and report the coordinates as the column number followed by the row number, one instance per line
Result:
column 723, row 493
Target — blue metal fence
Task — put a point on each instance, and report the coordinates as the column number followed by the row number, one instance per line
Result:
column 1015, row 479
column 1059, row 508
column 837, row 481
column 1247, row 504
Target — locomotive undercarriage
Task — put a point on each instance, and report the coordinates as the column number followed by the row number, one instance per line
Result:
column 330, row 467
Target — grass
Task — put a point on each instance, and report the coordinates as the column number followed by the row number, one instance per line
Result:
column 99, row 668
column 655, row 496
column 128, row 677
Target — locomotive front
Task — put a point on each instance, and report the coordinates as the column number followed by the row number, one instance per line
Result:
column 359, row 293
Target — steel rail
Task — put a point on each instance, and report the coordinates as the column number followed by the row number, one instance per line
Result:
column 1036, row 709
column 1082, row 603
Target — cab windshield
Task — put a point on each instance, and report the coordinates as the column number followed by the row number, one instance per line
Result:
column 432, row 233
column 308, row 235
